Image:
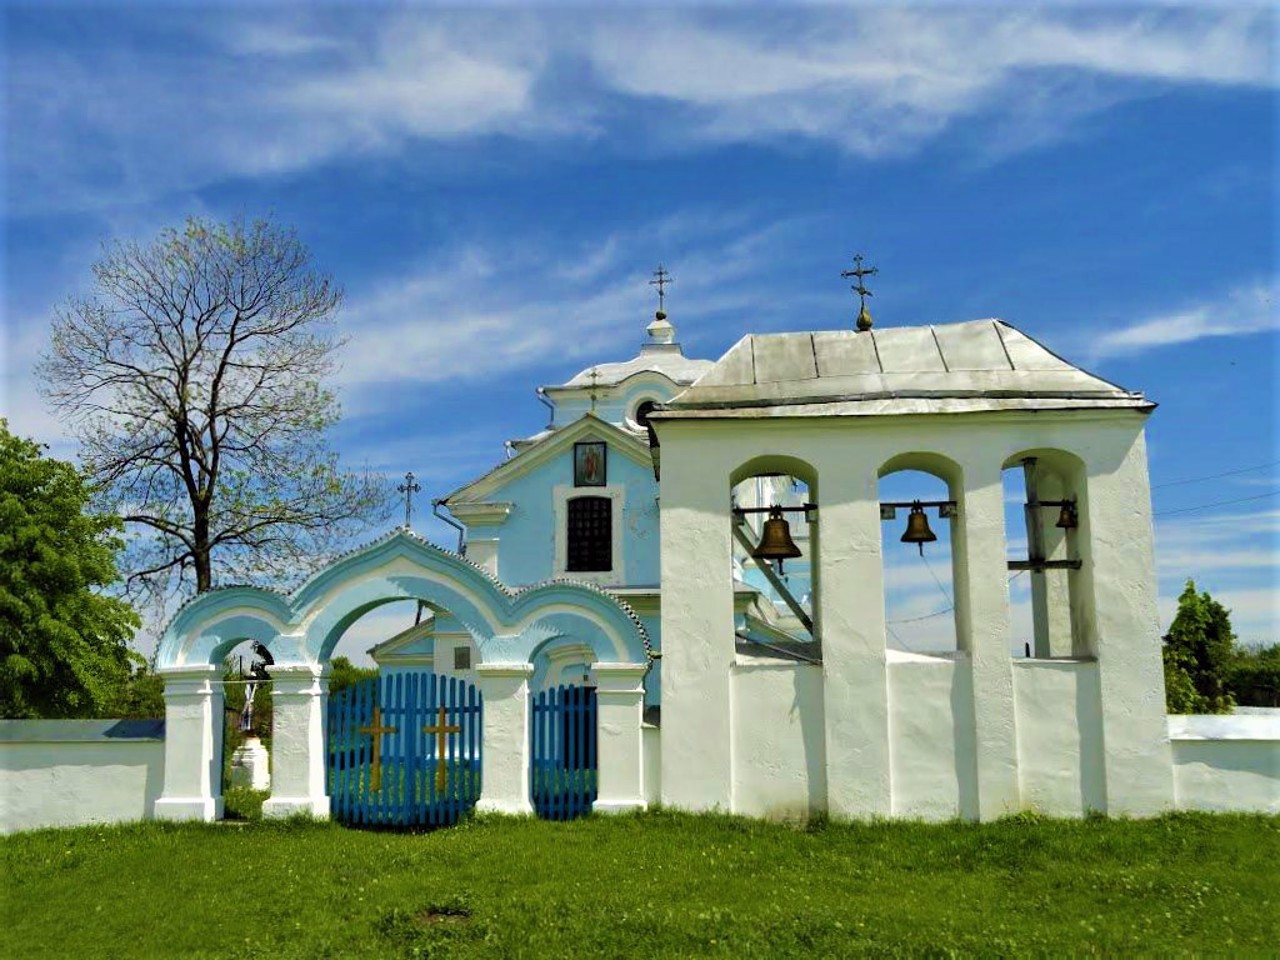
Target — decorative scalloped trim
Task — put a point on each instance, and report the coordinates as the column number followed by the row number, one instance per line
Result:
column 513, row 595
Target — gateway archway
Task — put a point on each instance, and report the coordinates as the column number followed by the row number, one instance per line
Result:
column 301, row 630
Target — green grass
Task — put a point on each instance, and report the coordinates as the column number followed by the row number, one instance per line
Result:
column 655, row 885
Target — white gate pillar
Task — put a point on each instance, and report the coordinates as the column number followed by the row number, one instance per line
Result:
column 619, row 748
column 192, row 744
column 504, row 767
column 299, row 696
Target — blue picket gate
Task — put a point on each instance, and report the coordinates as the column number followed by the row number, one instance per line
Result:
column 404, row 750
column 563, row 771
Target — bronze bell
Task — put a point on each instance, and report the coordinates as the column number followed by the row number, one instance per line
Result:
column 918, row 531
column 775, row 540
column 1067, row 519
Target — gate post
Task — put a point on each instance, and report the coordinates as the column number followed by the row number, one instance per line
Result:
column 192, row 744
column 299, row 694
column 619, row 747
column 504, row 756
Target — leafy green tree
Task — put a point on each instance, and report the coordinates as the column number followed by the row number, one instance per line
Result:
column 1254, row 677
column 64, row 646
column 1198, row 653
column 343, row 673
column 193, row 376
column 140, row 696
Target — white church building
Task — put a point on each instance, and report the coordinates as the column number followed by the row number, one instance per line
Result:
column 632, row 547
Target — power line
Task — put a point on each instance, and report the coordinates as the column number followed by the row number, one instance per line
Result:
column 945, row 594
column 936, row 613
column 1219, row 503
column 1215, row 476
column 927, row 616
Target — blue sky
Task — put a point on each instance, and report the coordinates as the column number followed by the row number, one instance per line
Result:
column 493, row 187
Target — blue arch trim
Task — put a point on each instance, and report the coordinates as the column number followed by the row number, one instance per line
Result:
column 306, row 625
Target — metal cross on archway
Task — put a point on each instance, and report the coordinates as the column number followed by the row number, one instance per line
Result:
column 408, row 488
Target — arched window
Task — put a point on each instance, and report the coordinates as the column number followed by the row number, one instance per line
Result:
column 589, row 534
column 785, row 604
column 1045, row 555
column 643, row 411
column 919, row 578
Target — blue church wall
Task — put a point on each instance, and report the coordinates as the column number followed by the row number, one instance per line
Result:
column 527, row 539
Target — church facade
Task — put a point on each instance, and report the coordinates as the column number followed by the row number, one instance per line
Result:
column 701, row 543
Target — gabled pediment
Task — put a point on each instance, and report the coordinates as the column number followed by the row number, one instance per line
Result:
column 415, row 641
column 546, row 449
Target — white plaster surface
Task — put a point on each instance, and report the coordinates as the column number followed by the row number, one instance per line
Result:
column 67, row 784
column 841, row 458
column 299, row 695
column 251, row 765
column 932, row 738
column 620, row 750
column 1226, row 762
column 505, row 758
column 1060, row 737
column 193, row 703
column 652, row 737
column 779, row 760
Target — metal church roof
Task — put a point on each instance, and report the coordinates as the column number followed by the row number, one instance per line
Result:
column 664, row 358
column 948, row 368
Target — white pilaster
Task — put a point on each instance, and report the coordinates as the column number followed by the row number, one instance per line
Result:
column 850, row 624
column 505, row 759
column 697, row 625
column 982, row 606
column 1115, row 524
column 192, row 744
column 619, row 715
column 299, row 695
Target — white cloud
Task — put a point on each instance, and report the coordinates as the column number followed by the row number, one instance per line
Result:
column 885, row 81
column 1232, row 555
column 1246, row 309
column 485, row 310
column 238, row 93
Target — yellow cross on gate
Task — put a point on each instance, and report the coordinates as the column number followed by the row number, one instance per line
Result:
column 376, row 730
column 441, row 729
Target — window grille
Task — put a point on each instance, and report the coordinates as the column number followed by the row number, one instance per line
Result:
column 590, row 534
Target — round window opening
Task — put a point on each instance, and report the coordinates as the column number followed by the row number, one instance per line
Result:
column 643, row 411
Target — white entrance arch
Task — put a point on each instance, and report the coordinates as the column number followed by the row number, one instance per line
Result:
column 301, row 630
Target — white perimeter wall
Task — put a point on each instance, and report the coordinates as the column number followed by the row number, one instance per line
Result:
column 64, row 784
column 779, row 756
column 1226, row 762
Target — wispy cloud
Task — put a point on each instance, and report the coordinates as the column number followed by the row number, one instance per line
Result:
column 485, row 310
column 226, row 95
column 1246, row 309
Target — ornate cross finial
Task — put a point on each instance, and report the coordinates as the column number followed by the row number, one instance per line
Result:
column 859, row 271
column 408, row 488
column 662, row 278
column 595, row 383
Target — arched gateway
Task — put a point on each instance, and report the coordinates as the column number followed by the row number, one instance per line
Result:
column 301, row 629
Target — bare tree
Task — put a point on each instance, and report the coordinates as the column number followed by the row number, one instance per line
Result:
column 193, row 377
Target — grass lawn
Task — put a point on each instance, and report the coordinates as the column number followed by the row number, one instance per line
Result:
column 654, row 885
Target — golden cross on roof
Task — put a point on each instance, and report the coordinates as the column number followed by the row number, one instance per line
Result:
column 441, row 729
column 661, row 279
column 859, row 271
column 595, row 383
column 376, row 730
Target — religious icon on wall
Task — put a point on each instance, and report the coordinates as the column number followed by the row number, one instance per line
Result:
column 589, row 464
